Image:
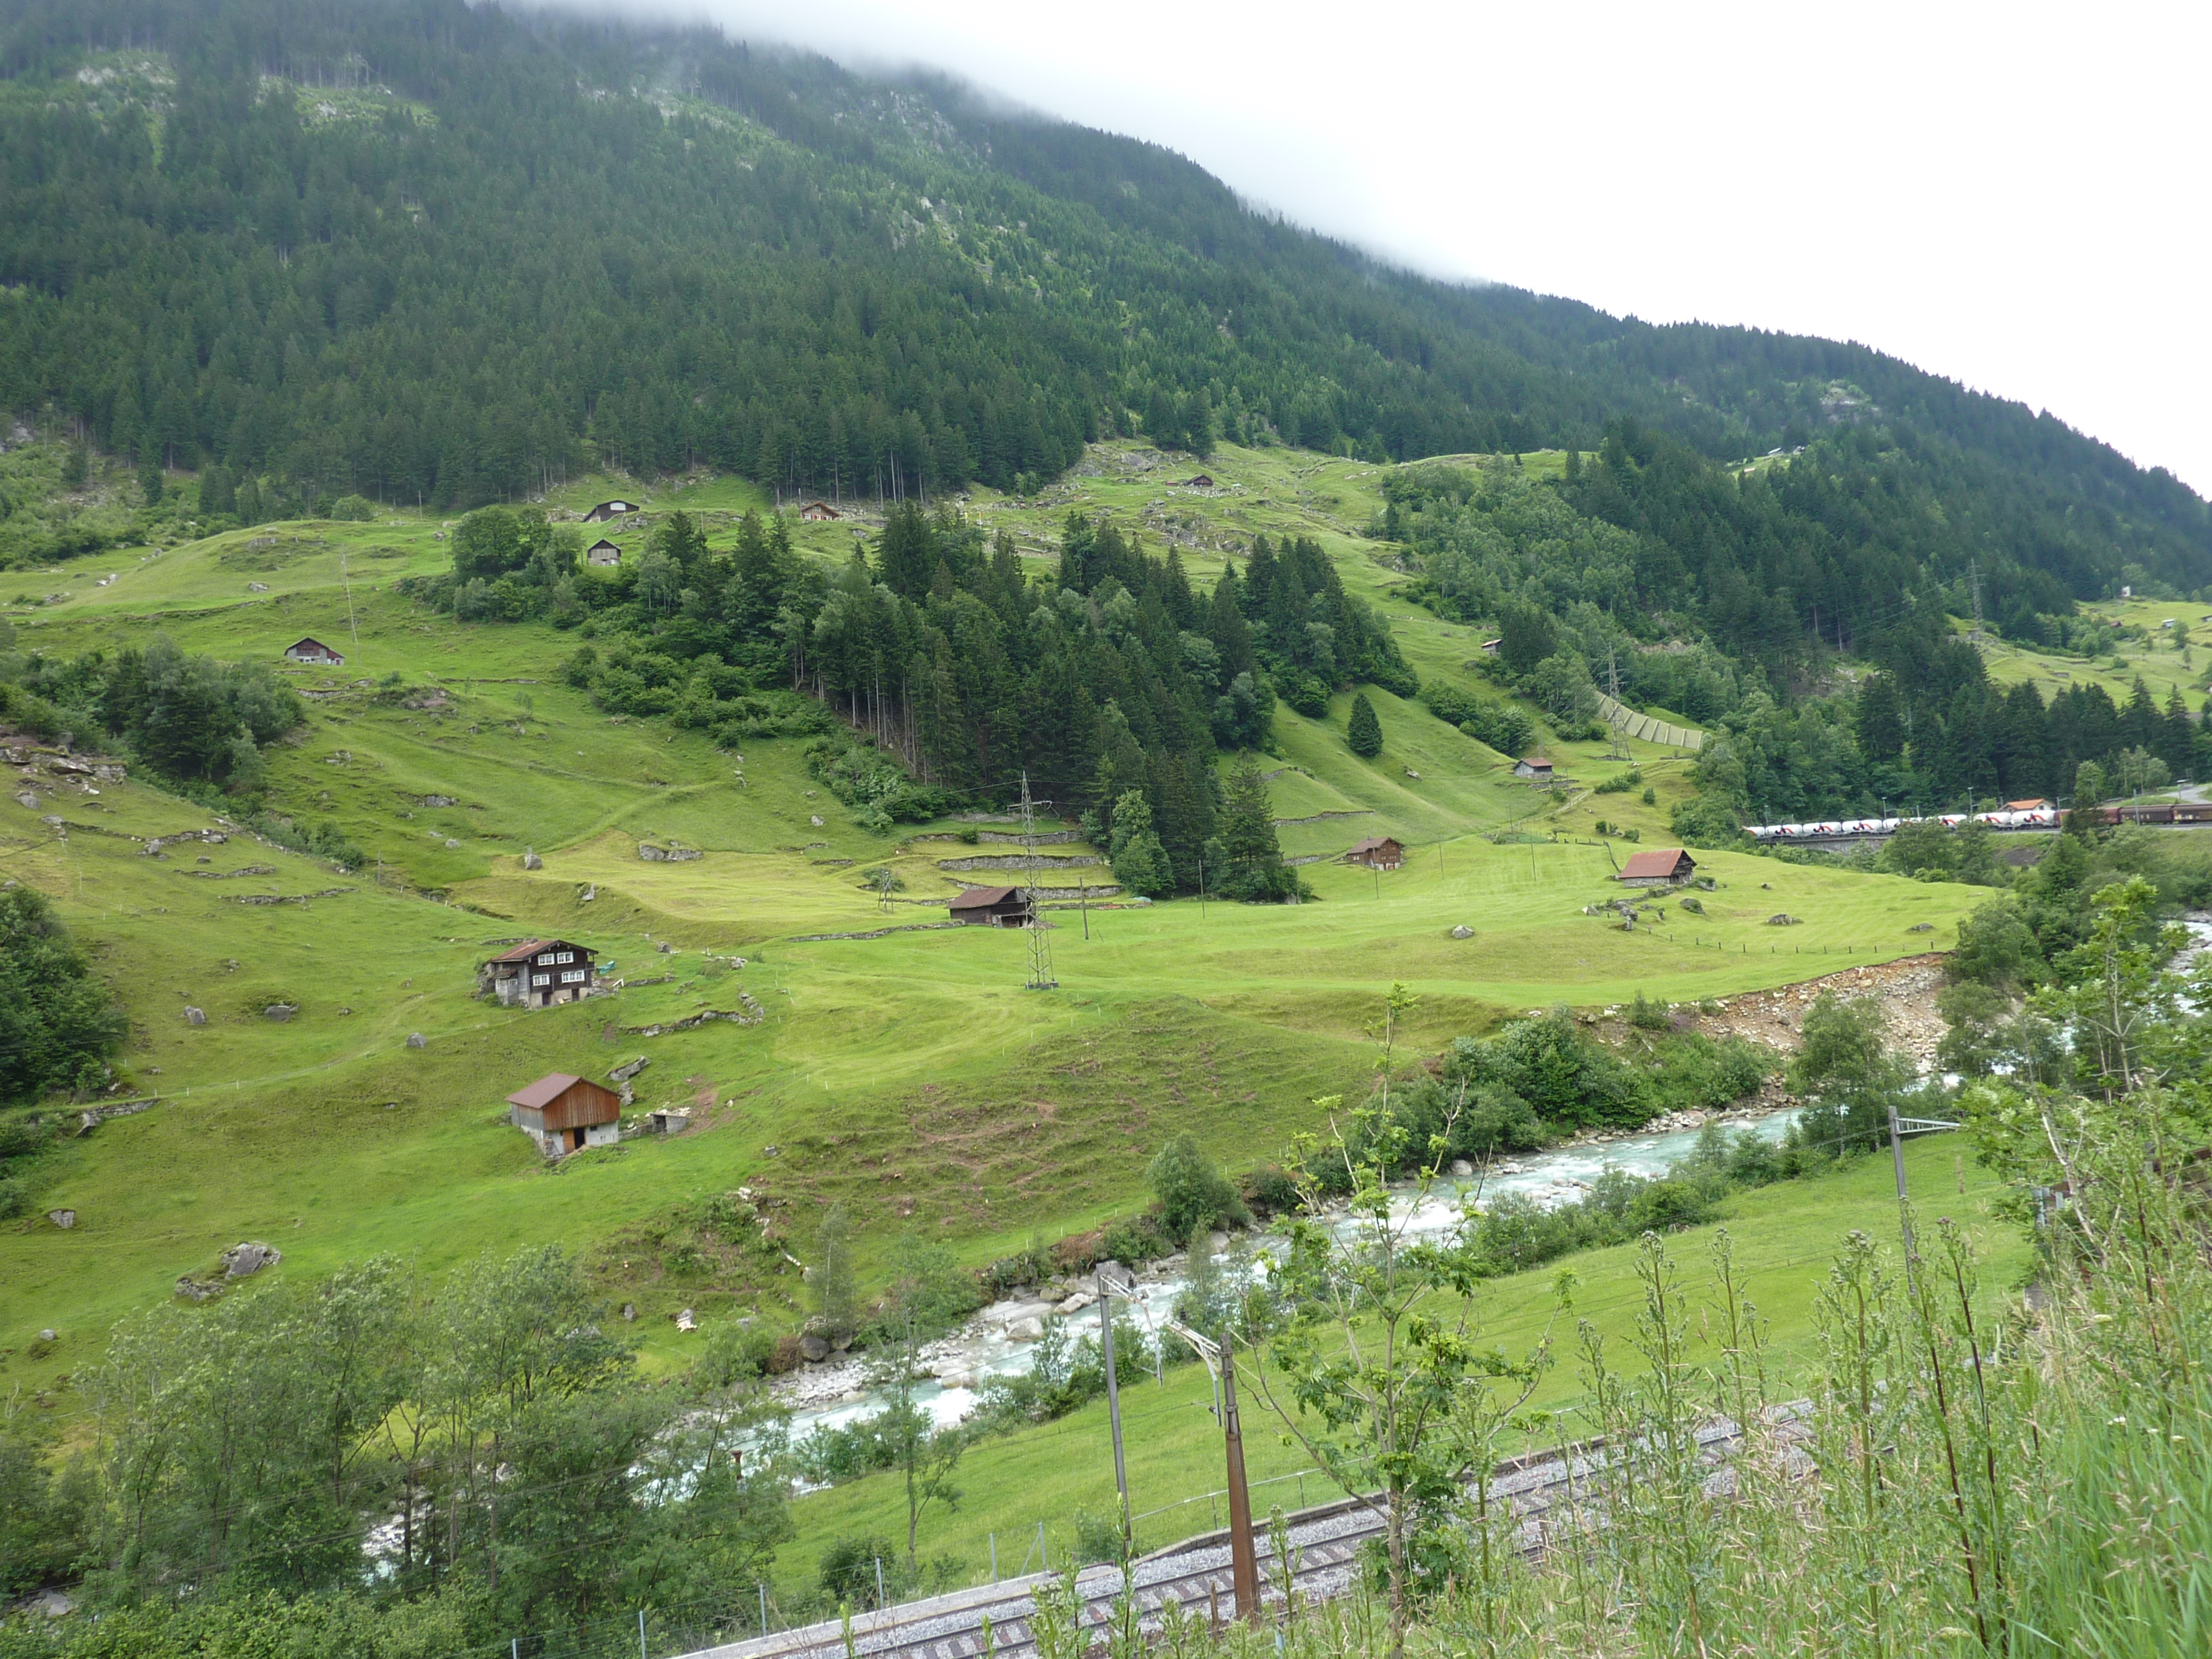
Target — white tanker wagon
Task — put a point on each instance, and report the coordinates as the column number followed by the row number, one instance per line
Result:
column 2028, row 817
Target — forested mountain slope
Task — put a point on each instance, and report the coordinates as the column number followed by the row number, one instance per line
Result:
column 426, row 251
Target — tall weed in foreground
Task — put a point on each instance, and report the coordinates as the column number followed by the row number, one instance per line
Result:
column 1970, row 1475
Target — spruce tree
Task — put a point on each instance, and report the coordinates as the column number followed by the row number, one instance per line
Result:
column 1140, row 863
column 1254, row 857
column 1365, row 732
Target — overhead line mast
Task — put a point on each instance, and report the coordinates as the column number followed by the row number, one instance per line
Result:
column 1041, row 977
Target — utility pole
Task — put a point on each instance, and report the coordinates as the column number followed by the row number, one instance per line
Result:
column 1244, row 1558
column 1896, row 1163
column 1041, row 977
column 1244, row 1561
column 1613, row 690
column 1114, row 1400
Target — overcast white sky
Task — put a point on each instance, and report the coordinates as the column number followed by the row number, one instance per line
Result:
column 2015, row 196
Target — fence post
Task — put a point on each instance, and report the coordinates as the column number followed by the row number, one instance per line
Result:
column 763, row 1591
column 641, row 1653
column 995, row 1558
column 881, row 1598
column 1044, row 1558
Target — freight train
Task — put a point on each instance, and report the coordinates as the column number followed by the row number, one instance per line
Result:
column 2024, row 817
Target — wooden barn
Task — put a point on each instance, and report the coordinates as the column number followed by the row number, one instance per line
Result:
column 1534, row 767
column 818, row 512
column 1376, row 853
column 541, row 974
column 313, row 651
column 991, row 907
column 603, row 552
column 564, row 1114
column 1201, row 482
column 606, row 511
column 1660, row 868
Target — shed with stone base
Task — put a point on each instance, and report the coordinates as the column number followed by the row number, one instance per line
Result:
column 565, row 1114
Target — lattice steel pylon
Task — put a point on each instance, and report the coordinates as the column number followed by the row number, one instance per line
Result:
column 1040, row 937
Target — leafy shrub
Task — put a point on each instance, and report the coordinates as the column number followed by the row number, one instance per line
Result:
column 1309, row 696
column 847, row 1572
column 353, row 509
column 1548, row 1062
column 874, row 785
column 1620, row 783
column 1065, row 1371
column 1269, row 1191
column 1097, row 1539
column 1650, row 1016
column 1192, row 1192
column 1140, row 1238
column 57, row 1025
column 1704, row 821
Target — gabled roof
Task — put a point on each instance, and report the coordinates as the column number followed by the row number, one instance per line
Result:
column 1542, row 761
column 543, row 1093
column 2026, row 805
column 1663, row 862
column 524, row 953
column 1372, row 844
column 976, row 898
column 310, row 643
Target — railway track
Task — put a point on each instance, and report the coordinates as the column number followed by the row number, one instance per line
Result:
column 1325, row 1545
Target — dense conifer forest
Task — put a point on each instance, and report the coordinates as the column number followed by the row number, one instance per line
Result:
column 428, row 252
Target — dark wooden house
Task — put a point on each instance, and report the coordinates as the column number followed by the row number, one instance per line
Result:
column 607, row 510
column 1376, row 853
column 603, row 552
column 818, row 512
column 537, row 974
column 991, row 907
column 565, row 1114
column 1660, row 868
column 313, row 651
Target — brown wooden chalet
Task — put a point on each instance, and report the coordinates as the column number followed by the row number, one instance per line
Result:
column 1535, row 767
column 537, row 974
column 607, row 510
column 565, row 1114
column 603, row 552
column 991, row 907
column 313, row 651
column 1660, row 867
column 1376, row 853
column 817, row 511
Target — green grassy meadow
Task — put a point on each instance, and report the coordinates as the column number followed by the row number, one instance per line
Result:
column 909, row 1076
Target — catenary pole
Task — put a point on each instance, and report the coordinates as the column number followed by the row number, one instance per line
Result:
column 1244, row 1561
column 1113, row 1399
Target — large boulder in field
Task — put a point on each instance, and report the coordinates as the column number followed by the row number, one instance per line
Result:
column 245, row 1259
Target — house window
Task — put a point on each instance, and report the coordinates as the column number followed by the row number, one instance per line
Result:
column 573, row 976
column 544, row 979
column 566, row 956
